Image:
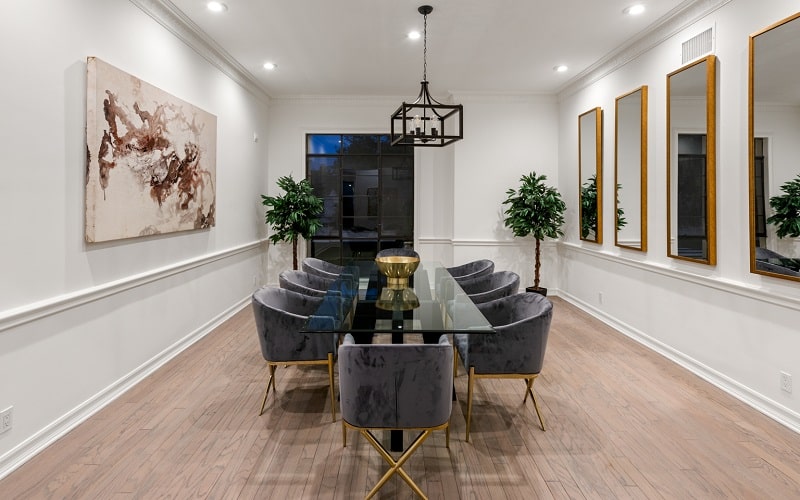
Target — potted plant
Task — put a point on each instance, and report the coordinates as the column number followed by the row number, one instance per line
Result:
column 294, row 214
column 786, row 209
column 536, row 210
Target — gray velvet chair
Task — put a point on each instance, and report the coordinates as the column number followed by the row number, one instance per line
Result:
column 491, row 286
column 471, row 270
column 280, row 316
column 516, row 350
column 305, row 283
column 401, row 252
column 395, row 386
column 321, row 268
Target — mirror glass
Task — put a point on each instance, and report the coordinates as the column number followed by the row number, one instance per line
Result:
column 774, row 146
column 590, row 166
column 691, row 165
column 630, row 170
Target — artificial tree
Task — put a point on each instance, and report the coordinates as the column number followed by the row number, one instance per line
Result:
column 537, row 210
column 295, row 214
column 786, row 210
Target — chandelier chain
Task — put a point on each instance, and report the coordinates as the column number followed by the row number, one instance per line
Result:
column 425, row 49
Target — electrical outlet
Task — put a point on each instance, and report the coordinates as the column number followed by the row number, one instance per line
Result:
column 6, row 419
column 786, row 382
column 600, row 297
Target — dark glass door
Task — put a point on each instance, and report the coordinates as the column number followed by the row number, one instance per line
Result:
column 367, row 187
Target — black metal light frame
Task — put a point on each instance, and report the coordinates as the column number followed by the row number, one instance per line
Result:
column 427, row 122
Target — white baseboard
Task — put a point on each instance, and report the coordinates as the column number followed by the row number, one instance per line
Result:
column 58, row 428
column 768, row 407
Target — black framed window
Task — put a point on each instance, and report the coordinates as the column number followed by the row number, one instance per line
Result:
column 367, row 187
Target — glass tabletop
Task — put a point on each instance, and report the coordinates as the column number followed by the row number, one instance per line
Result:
column 431, row 301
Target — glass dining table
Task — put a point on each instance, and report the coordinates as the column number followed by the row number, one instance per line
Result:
column 431, row 304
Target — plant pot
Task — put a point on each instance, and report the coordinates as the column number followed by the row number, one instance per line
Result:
column 539, row 290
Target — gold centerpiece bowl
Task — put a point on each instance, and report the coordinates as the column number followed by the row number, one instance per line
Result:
column 397, row 269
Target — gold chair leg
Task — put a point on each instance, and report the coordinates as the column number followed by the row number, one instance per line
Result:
column 470, row 386
column 447, row 435
column 397, row 467
column 270, row 382
column 535, row 404
column 344, row 435
column 528, row 385
column 330, row 377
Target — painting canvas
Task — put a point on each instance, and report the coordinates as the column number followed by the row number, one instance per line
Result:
column 151, row 159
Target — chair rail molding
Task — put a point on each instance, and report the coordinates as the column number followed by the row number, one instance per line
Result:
column 710, row 280
column 41, row 309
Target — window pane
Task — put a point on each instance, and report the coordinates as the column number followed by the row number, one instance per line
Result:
column 324, row 144
column 323, row 173
column 360, row 163
column 360, row 226
column 328, row 250
column 398, row 227
column 330, row 217
column 360, row 144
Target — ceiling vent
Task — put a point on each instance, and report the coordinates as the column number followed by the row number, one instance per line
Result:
column 698, row 45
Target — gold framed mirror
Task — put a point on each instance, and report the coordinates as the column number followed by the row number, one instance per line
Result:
column 691, row 162
column 773, row 132
column 590, row 174
column 630, row 170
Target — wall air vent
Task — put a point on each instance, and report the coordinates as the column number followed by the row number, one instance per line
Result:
column 698, row 45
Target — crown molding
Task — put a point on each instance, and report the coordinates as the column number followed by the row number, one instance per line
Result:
column 170, row 17
column 338, row 99
column 673, row 22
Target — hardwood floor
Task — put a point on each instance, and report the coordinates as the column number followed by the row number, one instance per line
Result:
column 622, row 422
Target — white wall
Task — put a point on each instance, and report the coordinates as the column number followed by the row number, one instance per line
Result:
column 505, row 137
column 81, row 322
column 736, row 329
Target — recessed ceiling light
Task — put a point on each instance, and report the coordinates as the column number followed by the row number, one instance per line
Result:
column 560, row 68
column 216, row 6
column 634, row 10
column 270, row 66
column 414, row 35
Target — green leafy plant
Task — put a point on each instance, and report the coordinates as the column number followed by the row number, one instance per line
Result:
column 295, row 214
column 589, row 207
column 786, row 209
column 537, row 210
column 621, row 222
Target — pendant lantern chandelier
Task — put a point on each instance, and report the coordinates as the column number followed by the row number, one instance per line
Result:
column 427, row 122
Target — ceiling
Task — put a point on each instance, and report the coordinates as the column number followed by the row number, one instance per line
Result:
column 360, row 47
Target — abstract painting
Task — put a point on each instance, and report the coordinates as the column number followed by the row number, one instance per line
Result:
column 151, row 159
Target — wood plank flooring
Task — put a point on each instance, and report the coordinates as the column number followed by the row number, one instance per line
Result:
column 622, row 422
